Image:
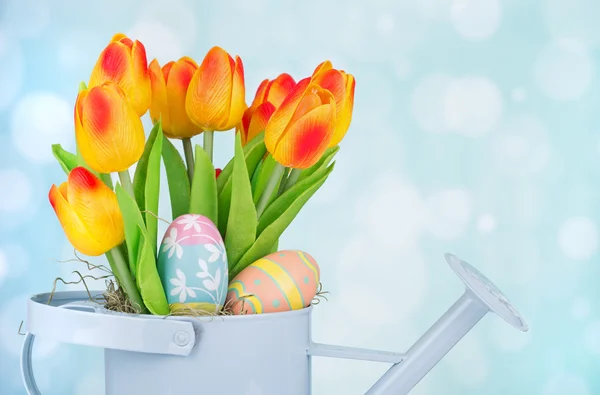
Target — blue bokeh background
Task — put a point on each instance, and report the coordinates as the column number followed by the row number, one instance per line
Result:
column 475, row 131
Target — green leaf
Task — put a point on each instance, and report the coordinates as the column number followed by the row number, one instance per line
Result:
column 254, row 151
column 241, row 227
column 203, row 196
column 323, row 162
column 224, row 177
column 148, row 280
column 291, row 207
column 132, row 218
column 280, row 205
column 257, row 143
column 224, row 205
column 153, row 191
column 255, row 176
column 275, row 247
column 141, row 170
column 264, row 175
column 146, row 182
column 68, row 161
column 177, row 178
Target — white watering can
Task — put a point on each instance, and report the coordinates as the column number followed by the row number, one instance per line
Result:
column 152, row 355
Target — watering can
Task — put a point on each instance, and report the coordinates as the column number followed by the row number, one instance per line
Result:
column 153, row 355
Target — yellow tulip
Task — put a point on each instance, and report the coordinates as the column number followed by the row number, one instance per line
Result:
column 123, row 62
column 109, row 133
column 88, row 212
column 215, row 99
column 169, row 88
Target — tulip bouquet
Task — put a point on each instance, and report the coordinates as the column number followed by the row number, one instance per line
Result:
column 284, row 145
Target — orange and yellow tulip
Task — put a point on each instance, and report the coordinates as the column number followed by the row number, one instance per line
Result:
column 88, row 212
column 342, row 86
column 123, row 62
column 169, row 88
column 269, row 96
column 274, row 91
column 216, row 99
column 109, row 133
column 254, row 121
column 299, row 131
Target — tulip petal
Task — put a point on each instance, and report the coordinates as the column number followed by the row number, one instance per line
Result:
column 244, row 124
column 75, row 230
column 238, row 96
column 322, row 67
column 159, row 107
column 112, row 65
column 259, row 120
column 181, row 126
column 333, row 81
column 306, row 140
column 96, row 206
column 209, row 93
column 118, row 37
column 279, row 89
column 260, row 95
column 313, row 97
column 344, row 118
column 109, row 133
column 124, row 63
column 140, row 96
column 282, row 116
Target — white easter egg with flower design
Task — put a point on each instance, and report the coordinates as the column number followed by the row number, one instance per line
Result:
column 192, row 264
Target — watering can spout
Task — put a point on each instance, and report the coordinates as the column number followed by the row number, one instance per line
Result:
column 479, row 298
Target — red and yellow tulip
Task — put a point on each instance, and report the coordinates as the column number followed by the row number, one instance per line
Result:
column 169, row 88
column 88, row 212
column 300, row 130
column 109, row 133
column 123, row 62
column 215, row 99
column 269, row 96
column 341, row 85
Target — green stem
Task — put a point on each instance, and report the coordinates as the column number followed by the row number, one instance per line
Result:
column 126, row 182
column 291, row 180
column 121, row 271
column 286, row 174
column 189, row 157
column 269, row 188
column 208, row 143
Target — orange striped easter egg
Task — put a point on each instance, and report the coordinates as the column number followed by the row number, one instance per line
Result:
column 281, row 281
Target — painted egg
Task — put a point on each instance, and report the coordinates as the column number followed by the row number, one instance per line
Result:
column 192, row 264
column 282, row 281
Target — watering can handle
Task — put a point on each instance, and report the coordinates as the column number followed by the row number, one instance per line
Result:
column 73, row 318
column 26, row 366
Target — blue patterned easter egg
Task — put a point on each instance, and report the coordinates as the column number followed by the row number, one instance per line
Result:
column 192, row 264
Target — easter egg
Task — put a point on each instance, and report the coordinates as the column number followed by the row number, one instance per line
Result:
column 282, row 281
column 192, row 264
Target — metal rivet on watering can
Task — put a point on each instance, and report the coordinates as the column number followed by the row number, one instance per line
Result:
column 479, row 298
column 182, row 338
